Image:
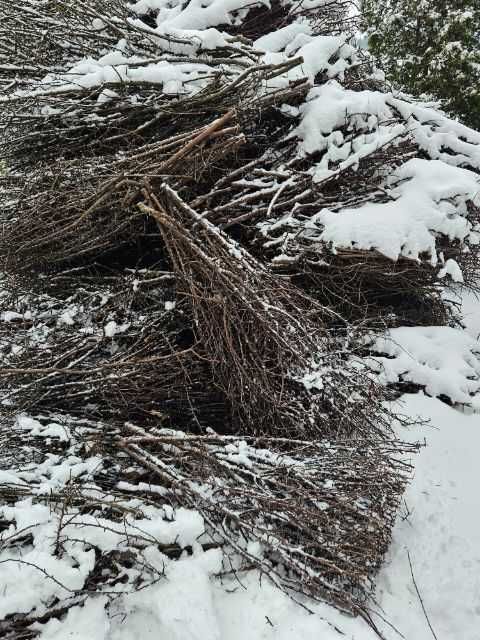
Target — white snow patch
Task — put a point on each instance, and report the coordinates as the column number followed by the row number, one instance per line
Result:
column 88, row 622
column 178, row 608
column 443, row 360
column 451, row 268
column 407, row 226
column 442, row 532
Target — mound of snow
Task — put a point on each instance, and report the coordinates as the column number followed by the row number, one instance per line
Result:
column 428, row 199
column 442, row 360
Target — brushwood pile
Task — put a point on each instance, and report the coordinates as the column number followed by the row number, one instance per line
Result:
column 218, row 228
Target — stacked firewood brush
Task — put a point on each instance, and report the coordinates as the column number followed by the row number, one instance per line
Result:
column 143, row 300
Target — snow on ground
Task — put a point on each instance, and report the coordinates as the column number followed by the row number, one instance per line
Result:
column 471, row 314
column 442, row 532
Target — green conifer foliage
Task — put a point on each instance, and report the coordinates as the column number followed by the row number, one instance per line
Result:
column 430, row 47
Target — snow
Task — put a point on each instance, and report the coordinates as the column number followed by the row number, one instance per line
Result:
column 180, row 608
column 175, row 78
column 110, row 329
column 452, row 269
column 443, row 360
column 36, row 428
column 436, row 134
column 68, row 317
column 470, row 311
column 195, row 15
column 370, row 116
column 329, row 106
column 81, row 623
column 430, row 199
column 317, row 54
column 9, row 316
column 278, row 40
column 442, row 532
column 24, row 586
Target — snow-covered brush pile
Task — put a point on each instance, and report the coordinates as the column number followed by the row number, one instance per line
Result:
column 200, row 202
column 313, row 167
column 79, row 519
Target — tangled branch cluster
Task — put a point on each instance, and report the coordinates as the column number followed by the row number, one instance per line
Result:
column 165, row 285
column 296, row 511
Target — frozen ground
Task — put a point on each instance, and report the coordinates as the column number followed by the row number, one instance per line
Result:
column 471, row 314
column 442, row 532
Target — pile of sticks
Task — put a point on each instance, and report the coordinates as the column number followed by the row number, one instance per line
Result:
column 313, row 516
column 153, row 273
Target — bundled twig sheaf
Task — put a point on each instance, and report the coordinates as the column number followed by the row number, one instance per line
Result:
column 313, row 516
column 271, row 203
column 265, row 339
column 81, row 511
column 70, row 119
column 285, row 494
column 336, row 17
column 70, row 30
column 95, row 356
column 77, row 210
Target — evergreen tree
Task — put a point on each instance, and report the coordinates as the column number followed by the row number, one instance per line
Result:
column 432, row 47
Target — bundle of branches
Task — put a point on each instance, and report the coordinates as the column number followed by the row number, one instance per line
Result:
column 40, row 38
column 66, row 213
column 266, row 340
column 92, row 114
column 276, row 207
column 117, row 105
column 280, row 183
column 77, row 210
column 364, row 283
column 126, row 352
column 269, row 204
column 70, row 31
column 315, row 517
column 286, row 494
